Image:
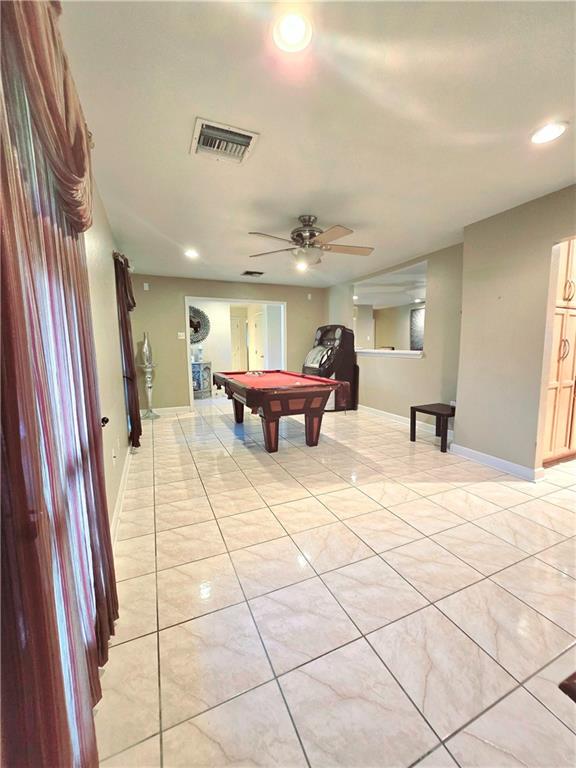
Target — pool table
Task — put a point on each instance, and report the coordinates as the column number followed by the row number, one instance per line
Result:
column 273, row 394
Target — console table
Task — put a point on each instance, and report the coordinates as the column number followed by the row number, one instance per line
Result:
column 442, row 412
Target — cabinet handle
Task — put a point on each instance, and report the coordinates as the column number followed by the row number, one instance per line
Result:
column 572, row 290
column 567, row 349
column 561, row 349
column 566, row 292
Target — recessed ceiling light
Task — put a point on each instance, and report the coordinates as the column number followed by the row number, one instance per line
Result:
column 354, row 298
column 301, row 265
column 191, row 253
column 292, row 32
column 548, row 133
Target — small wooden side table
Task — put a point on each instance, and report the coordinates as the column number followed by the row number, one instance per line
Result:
column 442, row 412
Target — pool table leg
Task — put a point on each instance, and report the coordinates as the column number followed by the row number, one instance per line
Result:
column 270, row 429
column 313, row 422
column 238, row 411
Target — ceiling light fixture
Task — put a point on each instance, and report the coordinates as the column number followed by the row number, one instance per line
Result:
column 354, row 298
column 418, row 301
column 301, row 265
column 292, row 32
column 191, row 253
column 548, row 133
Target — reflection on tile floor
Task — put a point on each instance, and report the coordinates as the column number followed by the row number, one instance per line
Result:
column 368, row 602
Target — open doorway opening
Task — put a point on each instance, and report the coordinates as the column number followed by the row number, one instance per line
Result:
column 232, row 335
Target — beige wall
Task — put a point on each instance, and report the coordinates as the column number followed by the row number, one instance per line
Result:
column 341, row 304
column 506, row 272
column 99, row 246
column 364, row 326
column 160, row 311
column 394, row 384
column 392, row 327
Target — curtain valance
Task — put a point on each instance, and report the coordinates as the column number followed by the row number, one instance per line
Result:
column 59, row 598
column 55, row 108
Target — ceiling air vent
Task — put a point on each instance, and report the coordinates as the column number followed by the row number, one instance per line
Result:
column 222, row 142
column 252, row 273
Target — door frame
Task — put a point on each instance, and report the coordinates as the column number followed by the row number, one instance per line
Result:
column 189, row 301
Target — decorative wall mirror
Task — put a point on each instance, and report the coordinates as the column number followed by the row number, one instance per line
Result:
column 199, row 325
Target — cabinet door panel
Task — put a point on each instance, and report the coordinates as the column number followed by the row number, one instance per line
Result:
column 571, row 271
column 568, row 371
column 564, row 406
column 558, row 345
column 566, row 284
column 549, row 446
column 568, row 363
column 558, row 440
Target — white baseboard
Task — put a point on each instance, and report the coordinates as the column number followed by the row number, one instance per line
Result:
column 519, row 470
column 423, row 425
column 120, row 497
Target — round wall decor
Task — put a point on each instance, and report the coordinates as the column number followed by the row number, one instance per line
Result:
column 199, row 325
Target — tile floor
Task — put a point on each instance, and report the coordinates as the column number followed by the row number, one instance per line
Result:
column 369, row 602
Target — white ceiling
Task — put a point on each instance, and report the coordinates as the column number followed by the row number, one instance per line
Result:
column 393, row 289
column 403, row 121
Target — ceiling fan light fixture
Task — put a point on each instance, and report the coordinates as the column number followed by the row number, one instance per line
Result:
column 191, row 253
column 292, row 32
column 301, row 265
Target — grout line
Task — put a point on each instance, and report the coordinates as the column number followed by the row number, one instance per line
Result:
column 320, row 575
column 161, row 739
column 362, row 636
column 257, row 628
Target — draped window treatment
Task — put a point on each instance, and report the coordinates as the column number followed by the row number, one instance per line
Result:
column 59, row 597
column 126, row 304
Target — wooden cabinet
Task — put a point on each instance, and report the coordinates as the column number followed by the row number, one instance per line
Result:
column 559, row 437
column 566, row 285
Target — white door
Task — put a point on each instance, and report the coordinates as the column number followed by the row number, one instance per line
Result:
column 274, row 356
column 239, row 351
column 255, row 341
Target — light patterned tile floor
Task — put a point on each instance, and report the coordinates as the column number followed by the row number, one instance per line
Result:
column 368, row 602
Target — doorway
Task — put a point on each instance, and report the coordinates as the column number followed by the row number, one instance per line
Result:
column 241, row 335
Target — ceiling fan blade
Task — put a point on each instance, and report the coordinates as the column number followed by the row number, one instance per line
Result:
column 266, row 253
column 351, row 250
column 333, row 233
column 274, row 237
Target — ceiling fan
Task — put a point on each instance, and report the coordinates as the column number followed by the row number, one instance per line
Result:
column 308, row 242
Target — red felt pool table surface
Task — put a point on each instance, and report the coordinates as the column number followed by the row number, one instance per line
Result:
column 273, row 394
column 277, row 380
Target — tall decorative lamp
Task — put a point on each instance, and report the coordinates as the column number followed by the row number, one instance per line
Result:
column 148, row 367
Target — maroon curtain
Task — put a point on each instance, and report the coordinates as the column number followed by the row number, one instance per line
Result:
column 59, row 597
column 126, row 303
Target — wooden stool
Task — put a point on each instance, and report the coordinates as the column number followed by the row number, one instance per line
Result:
column 442, row 412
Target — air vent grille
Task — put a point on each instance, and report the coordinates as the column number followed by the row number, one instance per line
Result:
column 222, row 142
column 252, row 273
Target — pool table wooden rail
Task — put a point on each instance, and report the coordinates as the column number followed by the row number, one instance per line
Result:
column 271, row 403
